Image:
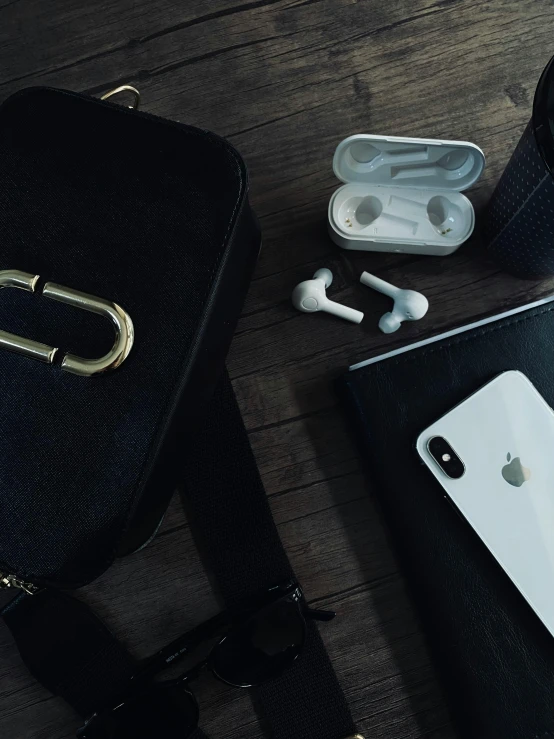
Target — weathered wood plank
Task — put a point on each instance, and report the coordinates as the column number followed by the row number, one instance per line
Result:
column 286, row 80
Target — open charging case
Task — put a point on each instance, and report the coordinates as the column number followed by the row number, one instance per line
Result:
column 403, row 194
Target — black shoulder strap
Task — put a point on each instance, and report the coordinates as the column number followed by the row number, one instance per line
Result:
column 231, row 513
column 68, row 649
column 71, row 652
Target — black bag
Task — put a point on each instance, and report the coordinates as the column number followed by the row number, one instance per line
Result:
column 152, row 216
column 147, row 223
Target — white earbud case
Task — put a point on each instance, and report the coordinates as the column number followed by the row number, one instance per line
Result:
column 403, row 195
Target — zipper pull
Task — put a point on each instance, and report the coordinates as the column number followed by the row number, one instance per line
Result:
column 10, row 581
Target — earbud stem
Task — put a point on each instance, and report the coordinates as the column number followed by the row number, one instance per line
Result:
column 380, row 285
column 342, row 311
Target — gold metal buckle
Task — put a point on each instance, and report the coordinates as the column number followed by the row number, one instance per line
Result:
column 124, row 88
column 120, row 319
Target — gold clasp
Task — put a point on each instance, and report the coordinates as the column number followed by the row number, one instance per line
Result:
column 124, row 88
column 120, row 319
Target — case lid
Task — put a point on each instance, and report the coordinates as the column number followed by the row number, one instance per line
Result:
column 407, row 162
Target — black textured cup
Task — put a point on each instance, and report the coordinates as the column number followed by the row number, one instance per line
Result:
column 520, row 219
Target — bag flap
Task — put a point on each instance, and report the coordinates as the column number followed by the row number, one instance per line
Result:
column 133, row 209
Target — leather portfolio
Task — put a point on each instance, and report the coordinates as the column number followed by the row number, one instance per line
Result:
column 495, row 657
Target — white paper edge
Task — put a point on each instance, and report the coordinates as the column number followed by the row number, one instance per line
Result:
column 453, row 332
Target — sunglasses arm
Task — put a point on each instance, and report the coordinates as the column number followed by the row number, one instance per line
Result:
column 316, row 615
column 179, row 647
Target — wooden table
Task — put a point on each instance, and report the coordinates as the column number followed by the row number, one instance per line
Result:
column 285, row 81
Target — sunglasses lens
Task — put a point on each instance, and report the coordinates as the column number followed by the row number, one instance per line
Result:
column 165, row 709
column 261, row 648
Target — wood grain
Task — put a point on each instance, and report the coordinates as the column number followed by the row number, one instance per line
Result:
column 285, row 81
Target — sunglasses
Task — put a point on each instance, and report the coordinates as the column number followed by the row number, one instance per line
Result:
column 252, row 648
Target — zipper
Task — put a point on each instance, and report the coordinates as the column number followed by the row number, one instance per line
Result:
column 10, row 581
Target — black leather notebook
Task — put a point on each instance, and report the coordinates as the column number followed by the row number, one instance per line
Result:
column 495, row 657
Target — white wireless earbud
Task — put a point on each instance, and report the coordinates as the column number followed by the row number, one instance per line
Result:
column 310, row 297
column 408, row 304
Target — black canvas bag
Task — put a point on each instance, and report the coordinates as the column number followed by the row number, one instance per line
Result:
column 152, row 216
column 144, row 222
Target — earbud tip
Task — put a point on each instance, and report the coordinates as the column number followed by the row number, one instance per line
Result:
column 324, row 274
column 389, row 324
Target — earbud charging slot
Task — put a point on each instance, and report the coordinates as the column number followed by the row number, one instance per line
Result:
column 445, row 216
column 358, row 213
column 419, row 215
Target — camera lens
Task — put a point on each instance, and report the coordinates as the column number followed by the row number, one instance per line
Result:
column 446, row 457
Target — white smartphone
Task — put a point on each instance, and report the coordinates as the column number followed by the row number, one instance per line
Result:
column 494, row 456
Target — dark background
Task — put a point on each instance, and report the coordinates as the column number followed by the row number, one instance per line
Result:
column 285, row 81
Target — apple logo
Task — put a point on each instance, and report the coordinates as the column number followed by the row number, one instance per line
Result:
column 514, row 472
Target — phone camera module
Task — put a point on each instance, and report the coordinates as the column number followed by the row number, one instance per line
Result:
column 446, row 457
